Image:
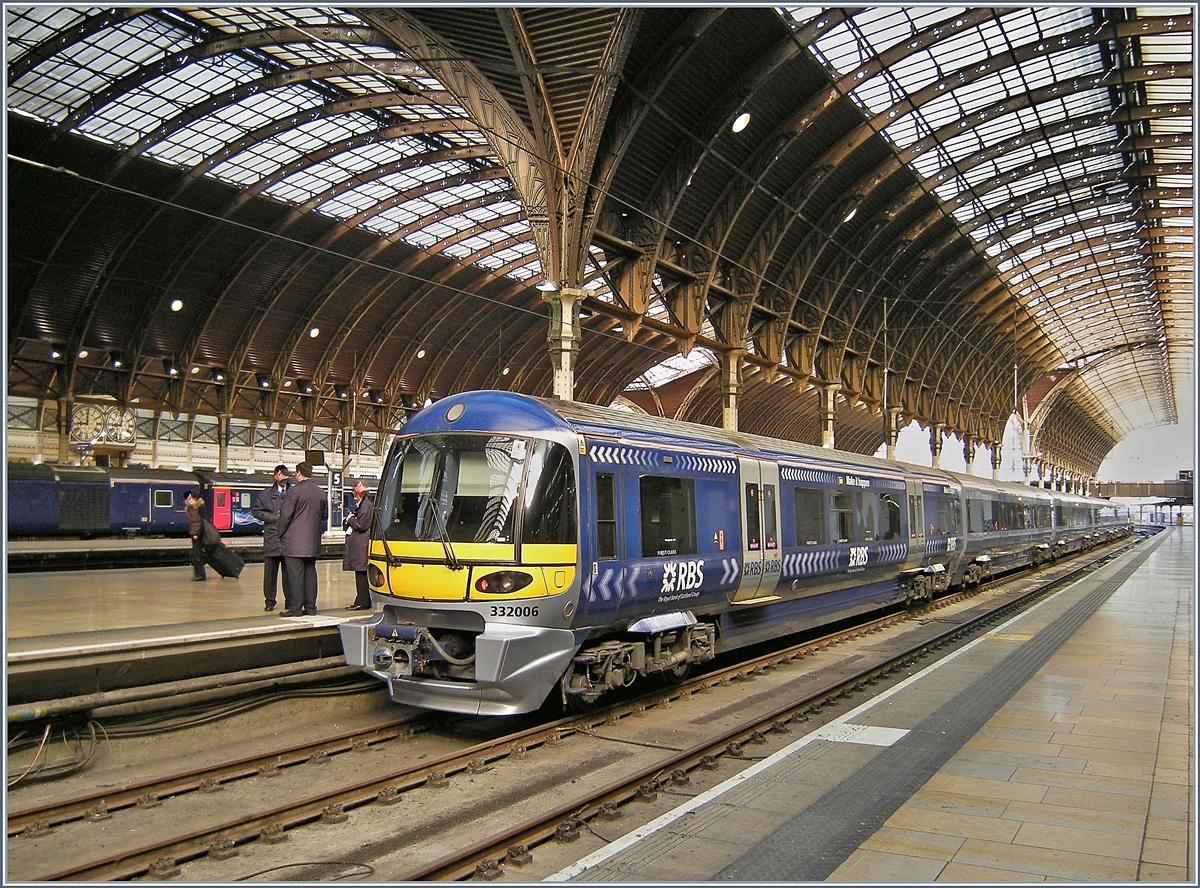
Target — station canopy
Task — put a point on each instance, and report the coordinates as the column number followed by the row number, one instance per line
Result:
column 330, row 216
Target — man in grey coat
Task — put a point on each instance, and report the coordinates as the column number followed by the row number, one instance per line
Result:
column 266, row 509
column 301, row 519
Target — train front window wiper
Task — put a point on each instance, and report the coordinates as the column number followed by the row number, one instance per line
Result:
column 452, row 561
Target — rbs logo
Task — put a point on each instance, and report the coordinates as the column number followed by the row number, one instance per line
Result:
column 680, row 576
column 858, row 556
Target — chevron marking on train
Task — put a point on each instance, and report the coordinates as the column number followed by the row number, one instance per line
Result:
column 810, row 476
column 631, row 583
column 810, row 563
column 602, row 586
column 730, row 570
column 890, row 553
column 606, row 453
column 710, row 464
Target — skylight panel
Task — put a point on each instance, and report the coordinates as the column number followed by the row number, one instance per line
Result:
column 1021, row 26
column 25, row 27
column 878, row 93
column 840, row 48
column 978, row 94
column 959, row 51
column 883, row 26
column 191, row 145
column 941, row 111
column 56, row 86
column 916, row 71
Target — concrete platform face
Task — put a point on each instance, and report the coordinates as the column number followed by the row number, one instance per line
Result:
column 1058, row 747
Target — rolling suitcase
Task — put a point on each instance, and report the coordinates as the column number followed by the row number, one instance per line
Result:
column 223, row 561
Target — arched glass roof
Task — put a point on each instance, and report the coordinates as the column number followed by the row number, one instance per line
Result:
column 1071, row 172
column 1015, row 183
column 304, row 105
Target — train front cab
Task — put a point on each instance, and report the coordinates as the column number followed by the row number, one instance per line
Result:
column 473, row 558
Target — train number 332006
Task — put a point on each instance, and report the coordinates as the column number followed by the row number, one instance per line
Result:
column 508, row 610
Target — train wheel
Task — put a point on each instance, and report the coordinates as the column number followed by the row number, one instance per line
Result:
column 678, row 675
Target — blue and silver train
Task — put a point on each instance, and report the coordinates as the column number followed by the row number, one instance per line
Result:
column 524, row 546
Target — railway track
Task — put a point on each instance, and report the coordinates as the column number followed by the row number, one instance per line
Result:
column 219, row 835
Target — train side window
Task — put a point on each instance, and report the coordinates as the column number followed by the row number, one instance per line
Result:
column 841, row 509
column 890, row 516
column 975, row 516
column 949, row 518
column 222, row 498
column 753, row 522
column 549, row 508
column 606, row 517
column 668, row 516
column 770, row 532
column 164, row 499
column 810, row 517
column 866, row 510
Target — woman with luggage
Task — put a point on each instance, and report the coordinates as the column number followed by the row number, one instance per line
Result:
column 193, row 507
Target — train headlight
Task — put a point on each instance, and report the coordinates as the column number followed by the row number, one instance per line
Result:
column 503, row 582
column 374, row 576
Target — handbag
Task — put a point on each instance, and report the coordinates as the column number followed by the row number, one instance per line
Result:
column 210, row 537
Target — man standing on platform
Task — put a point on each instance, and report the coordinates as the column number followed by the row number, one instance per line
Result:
column 301, row 517
column 358, row 535
column 266, row 509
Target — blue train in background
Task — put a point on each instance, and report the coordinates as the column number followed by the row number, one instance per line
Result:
column 523, row 546
column 49, row 500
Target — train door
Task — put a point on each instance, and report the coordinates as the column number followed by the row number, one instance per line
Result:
column 761, row 555
column 222, row 508
column 607, row 540
column 916, row 523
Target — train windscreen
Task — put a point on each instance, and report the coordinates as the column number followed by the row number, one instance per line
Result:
column 464, row 489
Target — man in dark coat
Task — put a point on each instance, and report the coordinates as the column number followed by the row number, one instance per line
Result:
column 354, row 555
column 266, row 509
column 301, row 519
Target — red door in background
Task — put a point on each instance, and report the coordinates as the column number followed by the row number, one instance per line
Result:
column 222, row 512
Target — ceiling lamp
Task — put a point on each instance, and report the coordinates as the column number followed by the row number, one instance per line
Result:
column 176, row 304
column 314, row 332
column 547, row 286
column 741, row 122
column 264, row 381
column 304, row 387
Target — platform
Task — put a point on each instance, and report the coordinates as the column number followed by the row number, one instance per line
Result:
column 113, row 553
column 1057, row 747
column 72, row 633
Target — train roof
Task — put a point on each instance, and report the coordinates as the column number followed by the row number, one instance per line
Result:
column 508, row 411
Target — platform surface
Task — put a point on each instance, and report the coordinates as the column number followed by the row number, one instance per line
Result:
column 1057, row 747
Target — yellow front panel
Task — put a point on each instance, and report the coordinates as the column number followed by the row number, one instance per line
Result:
column 532, row 553
column 427, row 577
column 428, row 582
column 546, row 581
column 436, row 552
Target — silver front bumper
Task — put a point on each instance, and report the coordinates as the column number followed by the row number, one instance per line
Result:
column 516, row 667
